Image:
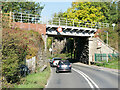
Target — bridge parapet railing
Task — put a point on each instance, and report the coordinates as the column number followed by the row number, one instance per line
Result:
column 76, row 23
column 32, row 18
column 25, row 18
column 8, row 18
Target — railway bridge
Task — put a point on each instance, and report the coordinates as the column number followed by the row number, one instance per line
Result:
column 79, row 30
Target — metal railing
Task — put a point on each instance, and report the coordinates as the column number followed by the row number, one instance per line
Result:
column 25, row 18
column 105, row 57
column 76, row 23
column 31, row 18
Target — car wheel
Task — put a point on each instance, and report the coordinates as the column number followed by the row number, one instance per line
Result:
column 57, row 71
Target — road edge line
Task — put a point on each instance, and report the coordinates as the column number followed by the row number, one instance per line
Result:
column 90, row 80
column 49, row 78
column 90, row 84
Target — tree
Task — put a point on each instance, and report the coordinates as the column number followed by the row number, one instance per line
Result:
column 113, row 13
column 84, row 11
column 92, row 12
column 22, row 7
column 109, row 10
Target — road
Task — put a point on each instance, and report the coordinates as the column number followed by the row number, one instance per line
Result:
column 83, row 77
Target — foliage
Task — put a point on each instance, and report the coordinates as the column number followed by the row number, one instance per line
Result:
column 49, row 42
column 31, row 8
column 22, row 7
column 112, row 36
column 12, row 56
column 109, row 10
column 91, row 12
column 17, row 46
column 84, row 11
column 110, row 64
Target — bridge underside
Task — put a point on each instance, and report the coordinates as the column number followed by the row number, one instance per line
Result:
column 70, row 31
column 77, row 46
column 80, row 43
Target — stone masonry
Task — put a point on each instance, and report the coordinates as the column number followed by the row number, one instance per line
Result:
column 94, row 47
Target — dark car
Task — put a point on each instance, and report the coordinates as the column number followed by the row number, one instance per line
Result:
column 50, row 61
column 54, row 62
column 63, row 66
column 24, row 70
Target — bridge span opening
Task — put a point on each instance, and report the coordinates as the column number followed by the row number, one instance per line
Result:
column 77, row 47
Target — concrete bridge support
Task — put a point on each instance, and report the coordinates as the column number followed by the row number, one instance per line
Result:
column 99, row 49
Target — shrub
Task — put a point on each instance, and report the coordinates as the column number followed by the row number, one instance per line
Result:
column 17, row 46
column 12, row 56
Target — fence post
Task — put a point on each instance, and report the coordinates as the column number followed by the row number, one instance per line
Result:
column 21, row 17
column 73, row 22
column 59, row 21
column 107, row 25
column 10, row 19
column 91, row 24
column 28, row 21
column 107, row 57
column 66, row 22
column 35, row 19
column 13, row 17
column 79, row 23
column 28, row 18
column 85, row 25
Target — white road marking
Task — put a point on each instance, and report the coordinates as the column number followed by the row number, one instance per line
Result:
column 91, row 80
column 48, row 81
column 90, row 84
column 87, row 78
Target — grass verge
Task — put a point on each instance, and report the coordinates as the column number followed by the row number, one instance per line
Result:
column 35, row 80
column 110, row 64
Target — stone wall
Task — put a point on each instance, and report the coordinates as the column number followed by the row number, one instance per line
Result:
column 100, row 49
column 31, row 63
column 58, row 45
column 37, row 61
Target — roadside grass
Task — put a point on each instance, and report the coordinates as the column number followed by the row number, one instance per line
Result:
column 110, row 64
column 35, row 80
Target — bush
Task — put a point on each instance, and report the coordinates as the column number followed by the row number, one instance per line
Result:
column 17, row 46
column 12, row 57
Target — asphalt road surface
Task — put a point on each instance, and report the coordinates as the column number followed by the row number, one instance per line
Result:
column 83, row 77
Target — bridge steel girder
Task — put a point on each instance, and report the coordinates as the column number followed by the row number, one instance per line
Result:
column 70, row 31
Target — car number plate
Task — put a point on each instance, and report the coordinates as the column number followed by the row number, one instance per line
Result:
column 64, row 66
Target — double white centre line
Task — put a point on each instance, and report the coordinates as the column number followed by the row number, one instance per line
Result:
column 87, row 78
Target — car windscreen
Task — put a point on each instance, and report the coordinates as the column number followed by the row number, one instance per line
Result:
column 64, row 63
column 57, row 59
